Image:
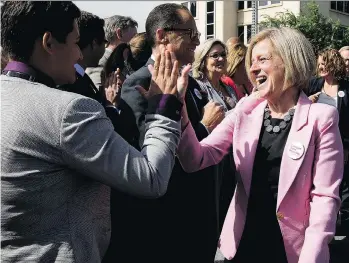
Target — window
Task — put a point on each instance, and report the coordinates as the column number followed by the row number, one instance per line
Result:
column 245, row 31
column 341, row 6
column 241, row 5
column 191, row 6
column 210, row 16
column 210, row 6
column 249, row 33
column 333, row 5
column 241, row 34
column 265, row 3
column 249, row 4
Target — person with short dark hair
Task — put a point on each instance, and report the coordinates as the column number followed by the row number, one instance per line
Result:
column 91, row 43
column 59, row 152
column 186, row 218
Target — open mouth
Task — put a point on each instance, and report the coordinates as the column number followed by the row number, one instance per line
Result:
column 261, row 80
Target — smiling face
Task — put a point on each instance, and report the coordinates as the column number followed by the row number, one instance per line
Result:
column 64, row 56
column 182, row 43
column 216, row 60
column 321, row 66
column 267, row 70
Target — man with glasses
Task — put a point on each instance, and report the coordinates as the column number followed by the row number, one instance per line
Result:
column 186, row 219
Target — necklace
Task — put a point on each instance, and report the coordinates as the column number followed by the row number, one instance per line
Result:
column 283, row 124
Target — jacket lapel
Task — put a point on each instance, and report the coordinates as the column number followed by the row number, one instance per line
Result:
column 296, row 147
column 248, row 129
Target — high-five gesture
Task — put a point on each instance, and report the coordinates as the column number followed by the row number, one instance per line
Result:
column 164, row 76
column 182, row 81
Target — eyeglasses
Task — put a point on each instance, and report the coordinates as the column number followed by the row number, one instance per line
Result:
column 216, row 56
column 194, row 35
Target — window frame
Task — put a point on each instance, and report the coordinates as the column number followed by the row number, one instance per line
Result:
column 336, row 9
column 207, row 36
column 187, row 4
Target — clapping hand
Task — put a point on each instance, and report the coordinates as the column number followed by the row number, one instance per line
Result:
column 112, row 87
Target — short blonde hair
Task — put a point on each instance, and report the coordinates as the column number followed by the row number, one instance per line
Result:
column 294, row 49
column 200, row 55
column 236, row 55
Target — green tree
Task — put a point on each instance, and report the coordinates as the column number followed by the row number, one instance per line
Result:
column 322, row 32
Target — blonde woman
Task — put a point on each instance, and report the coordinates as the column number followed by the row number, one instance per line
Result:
column 288, row 153
column 208, row 68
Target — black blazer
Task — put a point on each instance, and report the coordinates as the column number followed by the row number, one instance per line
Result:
column 316, row 85
column 182, row 224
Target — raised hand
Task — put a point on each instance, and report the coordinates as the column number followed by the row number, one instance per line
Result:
column 112, row 87
column 164, row 76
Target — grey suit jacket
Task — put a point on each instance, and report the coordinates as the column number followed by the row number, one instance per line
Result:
column 59, row 155
column 95, row 75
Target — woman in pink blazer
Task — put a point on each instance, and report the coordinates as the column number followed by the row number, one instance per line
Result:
column 288, row 155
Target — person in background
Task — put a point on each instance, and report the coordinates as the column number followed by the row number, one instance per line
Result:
column 232, row 41
column 127, row 58
column 59, row 152
column 288, row 154
column 91, row 44
column 344, row 51
column 208, row 68
column 236, row 69
column 186, row 218
column 332, row 87
column 118, row 29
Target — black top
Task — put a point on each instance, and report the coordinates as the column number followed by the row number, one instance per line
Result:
column 316, row 85
column 261, row 221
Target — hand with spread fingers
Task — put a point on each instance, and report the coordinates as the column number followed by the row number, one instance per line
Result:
column 164, row 76
column 113, row 85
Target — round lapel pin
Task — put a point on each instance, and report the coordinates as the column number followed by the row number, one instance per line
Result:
column 198, row 94
column 341, row 93
column 296, row 150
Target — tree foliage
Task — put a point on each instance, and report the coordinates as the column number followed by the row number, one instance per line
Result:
column 322, row 32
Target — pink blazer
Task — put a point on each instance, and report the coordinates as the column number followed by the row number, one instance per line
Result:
column 310, row 174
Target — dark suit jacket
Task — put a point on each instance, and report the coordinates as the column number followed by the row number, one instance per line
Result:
column 186, row 217
column 316, row 85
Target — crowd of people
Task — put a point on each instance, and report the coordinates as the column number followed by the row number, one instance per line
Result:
column 119, row 146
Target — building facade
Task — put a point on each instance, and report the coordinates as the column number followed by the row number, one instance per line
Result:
column 225, row 19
